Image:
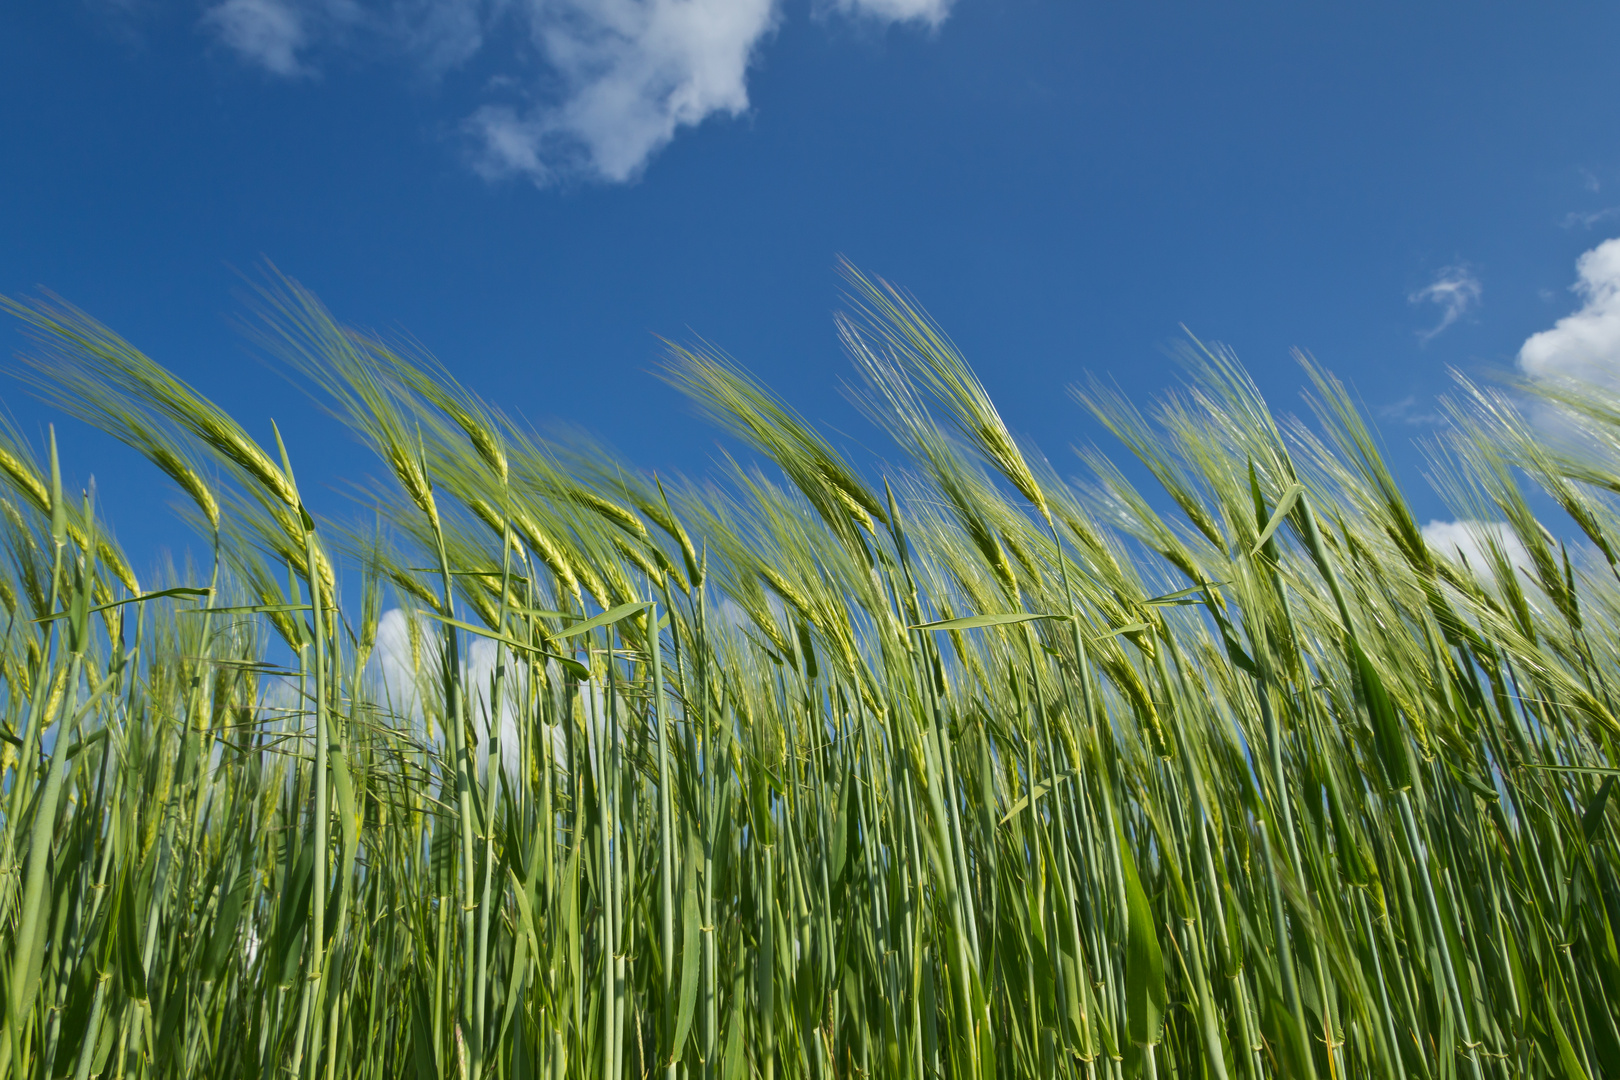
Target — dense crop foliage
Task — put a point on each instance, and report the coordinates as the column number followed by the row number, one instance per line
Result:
column 973, row 772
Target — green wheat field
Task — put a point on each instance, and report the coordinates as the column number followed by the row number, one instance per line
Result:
column 544, row 767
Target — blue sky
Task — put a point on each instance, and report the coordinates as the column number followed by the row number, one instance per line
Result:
column 537, row 188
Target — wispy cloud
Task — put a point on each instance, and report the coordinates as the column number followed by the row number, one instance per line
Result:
column 610, row 82
column 1586, row 343
column 931, row 12
column 269, row 33
column 1590, row 218
column 1409, row 410
column 1456, row 290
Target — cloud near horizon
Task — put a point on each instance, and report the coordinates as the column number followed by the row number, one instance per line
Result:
column 1582, row 345
column 1469, row 542
column 403, row 668
column 1586, row 343
column 612, row 81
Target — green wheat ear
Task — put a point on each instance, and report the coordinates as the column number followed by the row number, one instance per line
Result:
column 762, row 775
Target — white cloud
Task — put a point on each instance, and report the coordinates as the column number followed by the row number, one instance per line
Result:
column 1469, row 541
column 632, row 72
column 403, row 669
column 1456, row 290
column 269, row 33
column 615, row 81
column 401, row 664
column 932, row 12
column 1585, row 344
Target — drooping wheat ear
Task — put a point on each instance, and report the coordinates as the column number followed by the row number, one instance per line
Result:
column 894, row 318
column 550, row 552
column 435, row 384
column 189, row 481
column 114, row 362
column 406, row 461
column 610, row 510
column 732, row 397
column 26, row 480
